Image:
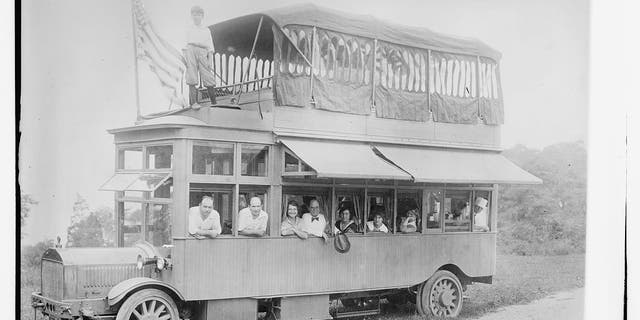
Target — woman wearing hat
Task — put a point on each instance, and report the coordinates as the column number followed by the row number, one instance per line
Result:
column 480, row 218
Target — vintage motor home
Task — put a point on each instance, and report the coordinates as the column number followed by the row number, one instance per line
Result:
column 313, row 104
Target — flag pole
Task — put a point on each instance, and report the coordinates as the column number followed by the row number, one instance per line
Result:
column 135, row 60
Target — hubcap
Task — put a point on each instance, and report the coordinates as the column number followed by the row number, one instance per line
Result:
column 444, row 297
column 151, row 310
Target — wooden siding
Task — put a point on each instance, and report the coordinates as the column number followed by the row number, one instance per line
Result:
column 308, row 122
column 247, row 267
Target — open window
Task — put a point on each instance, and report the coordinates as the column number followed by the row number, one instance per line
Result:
column 409, row 211
column 481, row 211
column 350, row 205
column 222, row 196
column 142, row 182
column 380, row 204
column 304, row 197
column 433, row 208
column 457, row 209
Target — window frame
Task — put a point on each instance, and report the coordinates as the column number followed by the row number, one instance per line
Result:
column 147, row 198
column 143, row 146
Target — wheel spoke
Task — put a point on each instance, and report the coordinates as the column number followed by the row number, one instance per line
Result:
column 165, row 317
column 144, row 307
column 152, row 307
column 136, row 314
column 160, row 309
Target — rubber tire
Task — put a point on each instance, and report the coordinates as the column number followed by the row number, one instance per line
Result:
column 418, row 299
column 425, row 290
column 125, row 310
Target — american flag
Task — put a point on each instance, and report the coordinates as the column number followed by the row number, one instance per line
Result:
column 164, row 60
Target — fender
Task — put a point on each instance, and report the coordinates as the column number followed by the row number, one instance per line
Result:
column 122, row 289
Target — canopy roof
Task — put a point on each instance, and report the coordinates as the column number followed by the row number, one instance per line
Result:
column 456, row 166
column 361, row 25
column 336, row 159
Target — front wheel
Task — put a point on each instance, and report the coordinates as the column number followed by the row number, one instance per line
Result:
column 148, row 304
column 440, row 296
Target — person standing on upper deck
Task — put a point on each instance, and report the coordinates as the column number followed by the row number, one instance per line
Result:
column 252, row 221
column 198, row 54
column 314, row 222
column 204, row 221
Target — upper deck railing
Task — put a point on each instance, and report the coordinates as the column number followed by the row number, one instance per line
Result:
column 236, row 74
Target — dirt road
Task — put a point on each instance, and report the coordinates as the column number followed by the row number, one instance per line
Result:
column 566, row 305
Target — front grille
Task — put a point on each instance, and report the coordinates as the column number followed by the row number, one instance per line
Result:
column 97, row 280
column 52, row 279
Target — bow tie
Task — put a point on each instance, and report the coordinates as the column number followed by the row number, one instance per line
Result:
column 315, row 219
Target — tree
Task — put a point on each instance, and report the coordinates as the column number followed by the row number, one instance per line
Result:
column 547, row 218
column 90, row 228
column 26, row 202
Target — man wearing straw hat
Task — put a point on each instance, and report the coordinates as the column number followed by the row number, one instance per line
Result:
column 480, row 217
column 197, row 54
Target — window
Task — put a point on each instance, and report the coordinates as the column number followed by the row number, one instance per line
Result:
column 212, row 158
column 380, row 204
column 254, row 160
column 159, row 157
column 293, row 164
column 165, row 190
column 158, row 224
column 248, row 192
column 482, row 211
column 154, row 219
column 351, row 201
column 457, row 209
column 130, row 158
column 222, row 196
column 304, row 197
column 409, row 211
column 434, row 207
column 131, row 215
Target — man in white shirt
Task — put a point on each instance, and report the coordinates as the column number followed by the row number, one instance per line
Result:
column 480, row 218
column 198, row 54
column 252, row 221
column 314, row 222
column 204, row 221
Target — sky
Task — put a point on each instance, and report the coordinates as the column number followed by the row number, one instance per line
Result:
column 78, row 79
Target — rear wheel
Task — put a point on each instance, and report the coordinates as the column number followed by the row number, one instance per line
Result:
column 148, row 304
column 440, row 296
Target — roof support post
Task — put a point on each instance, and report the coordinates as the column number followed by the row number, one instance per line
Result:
column 313, row 57
column 431, row 116
column 478, row 84
column 253, row 50
column 373, row 77
column 295, row 46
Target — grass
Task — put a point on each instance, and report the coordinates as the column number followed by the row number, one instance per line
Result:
column 518, row 280
column 29, row 282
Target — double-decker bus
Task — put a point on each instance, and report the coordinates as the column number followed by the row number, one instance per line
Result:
column 350, row 111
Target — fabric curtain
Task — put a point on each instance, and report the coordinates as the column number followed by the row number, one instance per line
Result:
column 401, row 82
column 293, row 75
column 490, row 91
column 453, row 87
column 342, row 72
